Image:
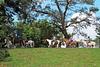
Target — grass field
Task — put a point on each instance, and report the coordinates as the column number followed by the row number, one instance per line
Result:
column 52, row 57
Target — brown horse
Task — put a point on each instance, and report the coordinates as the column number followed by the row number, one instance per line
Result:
column 71, row 44
column 17, row 42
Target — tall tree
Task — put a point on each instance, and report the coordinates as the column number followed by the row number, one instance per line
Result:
column 58, row 11
column 5, row 23
column 3, row 31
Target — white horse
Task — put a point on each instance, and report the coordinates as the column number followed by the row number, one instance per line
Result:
column 53, row 43
column 91, row 44
column 58, row 43
column 30, row 43
column 63, row 45
column 84, row 43
column 49, row 42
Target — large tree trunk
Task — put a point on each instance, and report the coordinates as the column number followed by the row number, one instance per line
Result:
column 64, row 32
column 63, row 29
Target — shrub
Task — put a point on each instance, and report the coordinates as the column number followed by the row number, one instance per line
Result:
column 4, row 54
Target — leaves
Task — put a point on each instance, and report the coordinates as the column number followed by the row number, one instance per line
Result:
column 37, row 30
column 57, row 10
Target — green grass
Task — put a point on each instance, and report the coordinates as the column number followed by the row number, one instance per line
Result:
column 53, row 57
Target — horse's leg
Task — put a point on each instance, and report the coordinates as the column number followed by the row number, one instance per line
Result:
column 21, row 43
column 94, row 46
column 48, row 45
column 31, row 45
column 24, row 43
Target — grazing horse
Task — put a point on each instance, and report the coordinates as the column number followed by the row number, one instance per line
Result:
column 91, row 44
column 18, row 42
column 84, row 43
column 63, row 45
column 71, row 43
column 49, row 42
column 58, row 43
column 53, row 43
column 30, row 43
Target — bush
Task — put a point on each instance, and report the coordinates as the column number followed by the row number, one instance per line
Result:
column 3, row 54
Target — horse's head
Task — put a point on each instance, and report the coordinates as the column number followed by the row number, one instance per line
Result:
column 45, row 40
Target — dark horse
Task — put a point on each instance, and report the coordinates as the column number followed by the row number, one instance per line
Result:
column 18, row 42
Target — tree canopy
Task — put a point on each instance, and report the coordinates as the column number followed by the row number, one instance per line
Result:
column 58, row 11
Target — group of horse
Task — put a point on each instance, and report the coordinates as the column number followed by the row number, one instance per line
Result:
column 67, row 43
column 14, row 43
column 52, row 43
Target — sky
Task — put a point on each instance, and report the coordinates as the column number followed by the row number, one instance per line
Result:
column 97, row 4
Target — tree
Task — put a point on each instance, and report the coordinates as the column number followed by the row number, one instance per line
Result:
column 5, row 26
column 64, row 8
column 58, row 11
column 3, row 32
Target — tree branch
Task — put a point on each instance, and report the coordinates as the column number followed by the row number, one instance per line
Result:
column 57, row 4
column 57, row 25
column 46, row 12
column 75, row 22
column 66, row 8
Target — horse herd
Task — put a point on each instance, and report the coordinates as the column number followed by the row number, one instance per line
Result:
column 52, row 43
column 66, row 43
column 14, row 43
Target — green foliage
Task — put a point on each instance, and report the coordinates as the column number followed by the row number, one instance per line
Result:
column 3, row 54
column 1, row 1
column 40, row 29
column 2, row 33
column 37, row 30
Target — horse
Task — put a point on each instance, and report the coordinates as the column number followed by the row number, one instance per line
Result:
column 91, row 44
column 53, row 43
column 88, row 44
column 30, row 43
column 18, row 42
column 84, row 43
column 63, row 45
column 71, row 43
